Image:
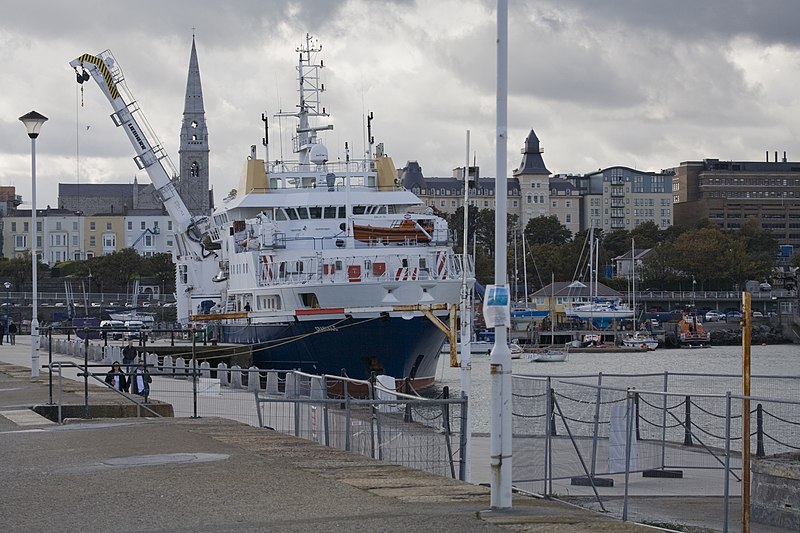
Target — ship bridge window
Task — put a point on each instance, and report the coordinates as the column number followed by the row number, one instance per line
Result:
column 315, row 212
column 303, row 212
column 330, row 212
column 309, row 299
column 291, row 213
column 359, row 209
column 342, row 212
column 280, row 214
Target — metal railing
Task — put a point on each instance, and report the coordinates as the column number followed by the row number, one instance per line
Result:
column 583, row 438
column 362, row 417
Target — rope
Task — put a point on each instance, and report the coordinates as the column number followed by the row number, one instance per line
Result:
column 773, row 439
column 588, row 402
column 661, row 407
column 776, row 417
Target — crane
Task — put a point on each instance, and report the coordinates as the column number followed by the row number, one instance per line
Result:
column 195, row 265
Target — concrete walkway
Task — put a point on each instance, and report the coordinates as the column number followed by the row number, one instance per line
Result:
column 215, row 474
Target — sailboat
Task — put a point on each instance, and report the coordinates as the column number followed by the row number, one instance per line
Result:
column 600, row 312
column 640, row 338
column 553, row 353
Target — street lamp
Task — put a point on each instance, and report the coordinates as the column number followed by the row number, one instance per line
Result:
column 33, row 123
column 7, row 285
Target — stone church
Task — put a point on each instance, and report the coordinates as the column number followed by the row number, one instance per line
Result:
column 191, row 181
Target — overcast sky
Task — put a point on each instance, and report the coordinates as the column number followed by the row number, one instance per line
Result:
column 640, row 83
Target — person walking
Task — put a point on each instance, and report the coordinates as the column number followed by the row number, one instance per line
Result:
column 116, row 378
column 128, row 355
column 141, row 380
column 12, row 333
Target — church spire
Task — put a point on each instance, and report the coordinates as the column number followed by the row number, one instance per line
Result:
column 193, row 185
column 194, row 89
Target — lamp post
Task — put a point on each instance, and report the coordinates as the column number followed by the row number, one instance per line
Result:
column 33, row 123
column 7, row 285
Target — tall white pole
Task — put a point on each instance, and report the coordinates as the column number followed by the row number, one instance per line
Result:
column 33, row 122
column 500, row 409
column 34, row 261
column 466, row 327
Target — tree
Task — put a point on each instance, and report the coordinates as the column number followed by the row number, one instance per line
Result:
column 646, row 234
column 700, row 253
column 546, row 230
column 160, row 267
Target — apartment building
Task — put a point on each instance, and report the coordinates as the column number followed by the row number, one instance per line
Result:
column 730, row 192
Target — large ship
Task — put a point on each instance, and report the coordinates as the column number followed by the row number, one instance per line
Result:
column 326, row 267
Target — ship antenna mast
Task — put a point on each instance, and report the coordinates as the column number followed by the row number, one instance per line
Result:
column 309, row 88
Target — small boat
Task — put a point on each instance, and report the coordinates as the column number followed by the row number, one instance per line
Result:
column 691, row 333
column 641, row 339
column 485, row 348
column 405, row 230
column 548, row 354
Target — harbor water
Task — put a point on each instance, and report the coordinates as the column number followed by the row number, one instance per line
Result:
column 773, row 360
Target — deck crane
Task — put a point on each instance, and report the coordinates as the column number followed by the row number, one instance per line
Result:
column 195, row 264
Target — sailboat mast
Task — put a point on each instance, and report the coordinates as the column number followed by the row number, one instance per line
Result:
column 524, row 269
column 633, row 283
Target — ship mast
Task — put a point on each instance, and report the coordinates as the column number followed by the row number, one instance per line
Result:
column 309, row 87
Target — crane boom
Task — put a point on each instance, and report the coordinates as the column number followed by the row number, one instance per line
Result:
column 150, row 155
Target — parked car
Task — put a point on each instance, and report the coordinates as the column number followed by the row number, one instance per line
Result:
column 758, row 314
column 713, row 316
column 733, row 315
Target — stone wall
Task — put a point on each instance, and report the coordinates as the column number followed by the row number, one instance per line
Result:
column 775, row 491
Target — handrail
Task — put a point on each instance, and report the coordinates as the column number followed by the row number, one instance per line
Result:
column 60, row 364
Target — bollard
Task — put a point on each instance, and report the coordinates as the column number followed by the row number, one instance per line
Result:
column 205, row 369
column 166, row 365
column 236, row 377
column 272, row 382
column 222, row 374
column 181, row 369
column 253, row 379
column 759, row 431
column 687, row 423
column 318, row 389
column 290, row 389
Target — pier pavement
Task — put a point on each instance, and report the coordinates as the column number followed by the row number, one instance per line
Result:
column 215, row 474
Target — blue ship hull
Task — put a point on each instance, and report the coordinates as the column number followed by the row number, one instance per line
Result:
column 393, row 346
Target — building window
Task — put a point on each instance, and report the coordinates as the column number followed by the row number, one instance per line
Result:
column 155, row 223
column 20, row 242
column 92, row 241
column 568, row 218
column 75, row 241
column 58, row 226
column 169, row 225
column 130, row 225
column 74, row 226
column 148, row 241
column 38, row 226
column 92, row 226
column 108, row 225
column 14, row 227
column 194, row 170
column 109, row 241
column 144, row 224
